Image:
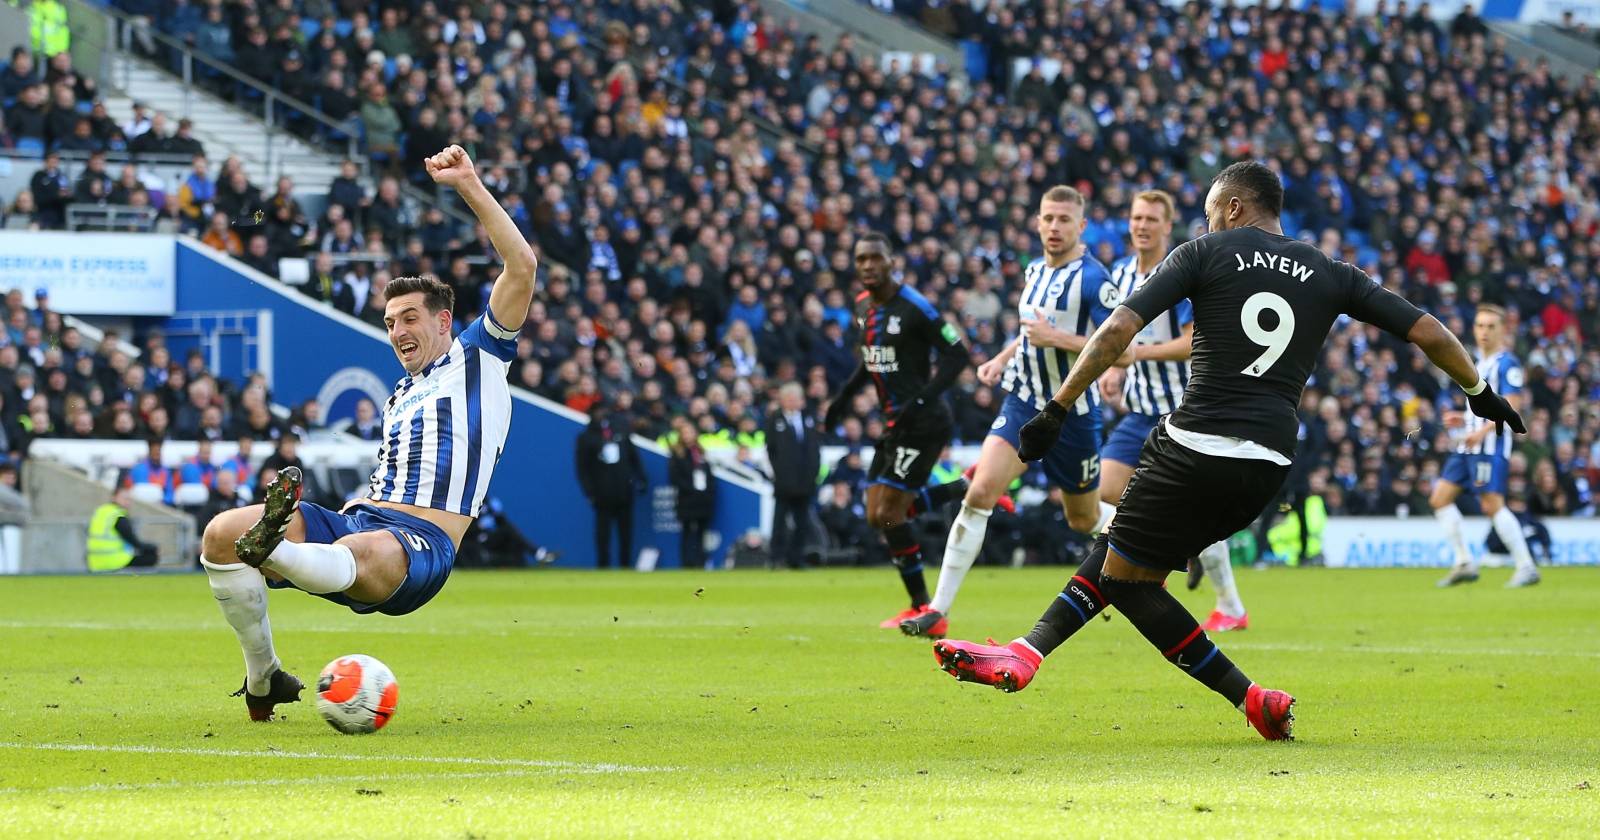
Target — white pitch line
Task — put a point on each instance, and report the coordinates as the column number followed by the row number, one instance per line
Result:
column 1406, row 650
column 571, row 766
column 116, row 787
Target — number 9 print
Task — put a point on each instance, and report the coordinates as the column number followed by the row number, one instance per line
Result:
column 1277, row 339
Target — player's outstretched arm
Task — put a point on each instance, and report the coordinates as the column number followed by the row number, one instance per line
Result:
column 513, row 289
column 1446, row 353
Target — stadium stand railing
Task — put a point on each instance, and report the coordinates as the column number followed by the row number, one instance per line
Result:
column 272, row 106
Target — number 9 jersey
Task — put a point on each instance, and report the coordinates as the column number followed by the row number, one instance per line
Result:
column 1263, row 306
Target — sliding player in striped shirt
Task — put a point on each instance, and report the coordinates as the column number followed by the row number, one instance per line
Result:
column 443, row 430
column 1065, row 296
column 1154, row 387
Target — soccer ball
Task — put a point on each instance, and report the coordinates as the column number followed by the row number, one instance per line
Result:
column 357, row 694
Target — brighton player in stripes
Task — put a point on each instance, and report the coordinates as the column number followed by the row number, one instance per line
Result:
column 1482, row 460
column 444, row 428
column 1066, row 294
column 1154, row 388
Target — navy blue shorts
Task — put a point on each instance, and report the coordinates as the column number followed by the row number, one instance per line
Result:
column 1478, row 473
column 1126, row 441
column 430, row 552
column 1074, row 463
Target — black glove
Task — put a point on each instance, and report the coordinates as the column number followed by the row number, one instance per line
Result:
column 1042, row 432
column 835, row 414
column 1491, row 406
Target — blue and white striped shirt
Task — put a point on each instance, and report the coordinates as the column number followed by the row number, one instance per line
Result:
column 1075, row 298
column 444, row 427
column 1153, row 388
column 1504, row 374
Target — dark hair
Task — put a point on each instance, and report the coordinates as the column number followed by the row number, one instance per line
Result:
column 874, row 237
column 1257, row 183
column 437, row 295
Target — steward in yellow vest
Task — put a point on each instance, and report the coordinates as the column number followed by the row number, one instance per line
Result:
column 112, row 543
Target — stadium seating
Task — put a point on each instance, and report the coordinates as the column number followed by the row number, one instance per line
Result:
column 686, row 169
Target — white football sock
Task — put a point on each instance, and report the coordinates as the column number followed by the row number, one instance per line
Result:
column 241, row 592
column 1449, row 518
column 1510, row 531
column 1107, row 513
column 313, row 567
column 960, row 552
column 1215, row 560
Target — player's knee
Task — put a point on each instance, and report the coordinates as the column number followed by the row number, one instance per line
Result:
column 216, row 543
column 982, row 495
column 880, row 519
column 1082, row 521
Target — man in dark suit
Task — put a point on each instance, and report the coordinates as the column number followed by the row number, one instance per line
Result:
column 794, row 451
column 611, row 475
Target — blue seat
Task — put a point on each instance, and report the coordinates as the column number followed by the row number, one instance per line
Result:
column 30, row 147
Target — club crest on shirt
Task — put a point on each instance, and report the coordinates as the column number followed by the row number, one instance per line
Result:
column 894, row 325
column 1110, row 296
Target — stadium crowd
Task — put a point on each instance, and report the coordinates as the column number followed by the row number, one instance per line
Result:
column 694, row 175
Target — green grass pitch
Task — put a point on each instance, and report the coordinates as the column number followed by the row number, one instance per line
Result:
column 753, row 704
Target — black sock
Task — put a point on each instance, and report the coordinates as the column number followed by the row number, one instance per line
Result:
column 1167, row 625
column 937, row 496
column 1078, row 602
column 907, row 556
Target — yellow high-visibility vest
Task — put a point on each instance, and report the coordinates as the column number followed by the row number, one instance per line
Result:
column 50, row 32
column 107, row 550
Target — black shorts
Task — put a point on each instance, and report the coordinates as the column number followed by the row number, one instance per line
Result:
column 1179, row 501
column 905, row 459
